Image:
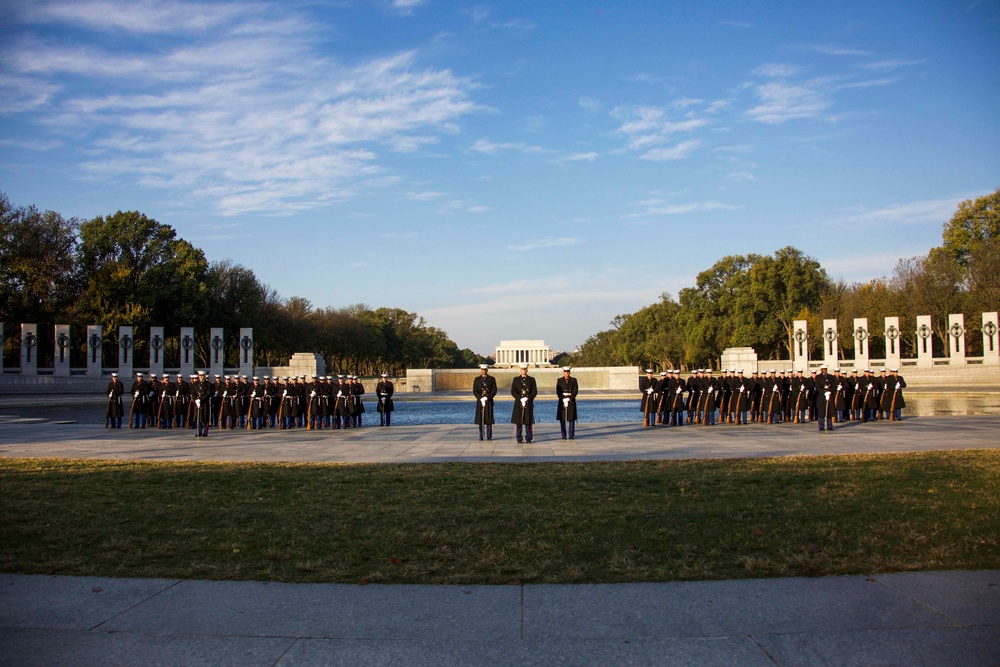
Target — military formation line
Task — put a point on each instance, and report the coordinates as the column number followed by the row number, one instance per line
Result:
column 236, row 401
column 773, row 397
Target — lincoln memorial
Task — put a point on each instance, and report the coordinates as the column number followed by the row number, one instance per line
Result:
column 512, row 352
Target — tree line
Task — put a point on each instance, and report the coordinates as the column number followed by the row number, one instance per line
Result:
column 128, row 269
column 752, row 300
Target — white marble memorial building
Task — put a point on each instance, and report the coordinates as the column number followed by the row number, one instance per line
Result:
column 513, row 352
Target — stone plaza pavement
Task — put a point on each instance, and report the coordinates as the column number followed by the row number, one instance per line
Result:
column 927, row 618
column 459, row 442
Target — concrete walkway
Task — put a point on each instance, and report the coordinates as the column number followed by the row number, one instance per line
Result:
column 937, row 618
column 450, row 442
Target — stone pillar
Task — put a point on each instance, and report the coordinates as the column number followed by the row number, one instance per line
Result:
column 800, row 346
column 991, row 345
column 216, row 352
column 60, row 360
column 246, row 351
column 95, row 351
column 186, row 349
column 125, row 359
column 925, row 345
column 892, row 333
column 831, row 353
column 861, row 343
column 956, row 339
column 29, row 349
column 156, row 342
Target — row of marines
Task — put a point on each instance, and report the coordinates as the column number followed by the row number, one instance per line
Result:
column 240, row 402
column 772, row 397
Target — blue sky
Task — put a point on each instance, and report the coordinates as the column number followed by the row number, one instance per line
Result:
column 507, row 170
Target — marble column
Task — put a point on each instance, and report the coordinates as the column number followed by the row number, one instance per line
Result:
column 800, row 346
column 95, row 351
column 125, row 358
column 156, row 343
column 60, row 359
column 956, row 339
column 860, row 343
column 246, row 351
column 831, row 352
column 991, row 346
column 29, row 349
column 925, row 344
column 216, row 352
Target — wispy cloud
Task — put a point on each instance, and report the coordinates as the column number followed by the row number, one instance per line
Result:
column 907, row 213
column 658, row 207
column 240, row 108
column 424, row 196
column 838, row 50
column 489, row 147
column 539, row 244
column 576, row 157
column 890, row 65
column 646, row 128
column 678, row 152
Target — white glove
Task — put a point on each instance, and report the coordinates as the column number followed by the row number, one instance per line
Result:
column 284, row 393
column 197, row 402
column 524, row 400
column 711, row 389
column 340, row 394
column 253, row 394
column 741, row 389
column 111, row 395
column 565, row 402
column 774, row 390
column 313, row 394
column 136, row 394
column 224, row 394
column 483, row 401
column 649, row 391
column 827, row 394
column 566, row 393
column 678, row 390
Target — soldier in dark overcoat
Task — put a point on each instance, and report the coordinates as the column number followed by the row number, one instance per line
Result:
column 648, row 386
column 524, row 389
column 484, row 388
column 358, row 405
column 115, row 409
column 892, row 395
column 825, row 389
column 677, row 387
column 566, row 390
column 384, row 391
column 202, row 392
column 137, row 410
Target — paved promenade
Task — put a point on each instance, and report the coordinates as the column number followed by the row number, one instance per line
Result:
column 931, row 618
column 420, row 444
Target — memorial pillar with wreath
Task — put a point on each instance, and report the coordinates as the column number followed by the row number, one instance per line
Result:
column 156, row 343
column 861, row 338
column 831, row 353
column 95, row 351
column 892, row 333
column 185, row 349
column 925, row 344
column 29, row 349
column 125, row 359
column 60, row 359
column 216, row 352
column 991, row 346
column 800, row 346
column 246, row 351
column 956, row 339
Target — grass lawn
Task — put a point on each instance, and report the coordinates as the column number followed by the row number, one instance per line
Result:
column 498, row 523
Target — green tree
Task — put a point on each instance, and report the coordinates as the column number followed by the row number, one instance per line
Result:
column 974, row 222
column 138, row 272
column 37, row 264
